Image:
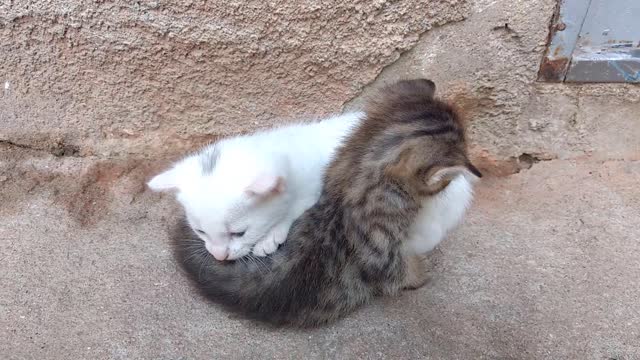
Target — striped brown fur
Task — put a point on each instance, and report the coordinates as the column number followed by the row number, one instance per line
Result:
column 347, row 248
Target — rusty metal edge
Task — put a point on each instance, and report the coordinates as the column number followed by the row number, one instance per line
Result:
column 564, row 29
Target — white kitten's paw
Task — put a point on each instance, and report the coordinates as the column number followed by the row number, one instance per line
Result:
column 265, row 247
column 280, row 233
column 275, row 237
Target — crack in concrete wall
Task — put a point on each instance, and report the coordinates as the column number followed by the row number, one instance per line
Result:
column 59, row 148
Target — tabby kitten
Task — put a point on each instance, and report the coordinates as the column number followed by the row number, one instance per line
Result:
column 350, row 246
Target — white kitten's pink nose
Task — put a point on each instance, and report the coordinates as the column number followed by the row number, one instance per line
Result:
column 219, row 252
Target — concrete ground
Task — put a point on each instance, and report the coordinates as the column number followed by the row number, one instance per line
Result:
column 547, row 265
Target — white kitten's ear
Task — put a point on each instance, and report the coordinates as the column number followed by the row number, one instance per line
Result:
column 443, row 176
column 167, row 181
column 265, row 185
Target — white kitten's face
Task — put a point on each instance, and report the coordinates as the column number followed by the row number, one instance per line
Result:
column 230, row 203
column 231, row 222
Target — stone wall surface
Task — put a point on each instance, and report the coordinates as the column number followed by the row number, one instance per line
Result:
column 112, row 78
column 488, row 66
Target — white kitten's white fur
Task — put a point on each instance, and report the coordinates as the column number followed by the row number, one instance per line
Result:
column 244, row 193
column 441, row 213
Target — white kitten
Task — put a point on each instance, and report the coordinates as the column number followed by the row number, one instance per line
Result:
column 440, row 214
column 244, row 193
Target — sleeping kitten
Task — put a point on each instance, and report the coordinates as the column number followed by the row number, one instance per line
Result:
column 354, row 243
column 243, row 193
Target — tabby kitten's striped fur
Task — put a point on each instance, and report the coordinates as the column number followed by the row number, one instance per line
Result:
column 348, row 247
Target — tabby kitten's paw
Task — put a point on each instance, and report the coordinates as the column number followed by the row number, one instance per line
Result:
column 416, row 272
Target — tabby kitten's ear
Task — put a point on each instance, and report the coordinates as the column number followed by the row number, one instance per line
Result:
column 428, row 86
column 439, row 177
column 424, row 87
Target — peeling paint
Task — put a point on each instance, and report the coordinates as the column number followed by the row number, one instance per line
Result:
column 564, row 29
column 628, row 76
column 605, row 47
column 553, row 70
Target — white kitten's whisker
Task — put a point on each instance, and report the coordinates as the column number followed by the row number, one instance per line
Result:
column 203, row 262
column 252, row 259
column 261, row 263
column 197, row 255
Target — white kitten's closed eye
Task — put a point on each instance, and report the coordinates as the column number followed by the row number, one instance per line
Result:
column 233, row 234
column 237, row 234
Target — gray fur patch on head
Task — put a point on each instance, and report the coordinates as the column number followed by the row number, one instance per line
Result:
column 208, row 159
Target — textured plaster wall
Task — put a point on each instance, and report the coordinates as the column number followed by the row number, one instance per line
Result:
column 113, row 78
column 118, row 79
column 488, row 66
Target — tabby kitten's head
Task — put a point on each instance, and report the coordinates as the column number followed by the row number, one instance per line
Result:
column 410, row 138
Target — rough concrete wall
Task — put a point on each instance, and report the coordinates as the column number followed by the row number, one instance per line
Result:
column 117, row 78
column 123, row 77
column 488, row 64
